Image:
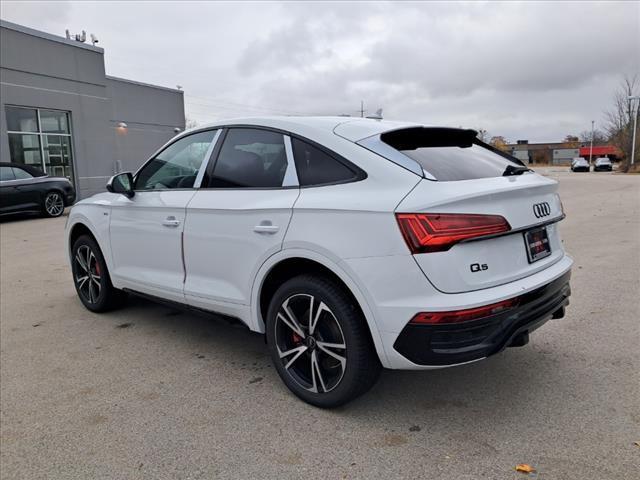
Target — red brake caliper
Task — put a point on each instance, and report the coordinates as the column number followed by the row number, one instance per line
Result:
column 97, row 267
column 297, row 339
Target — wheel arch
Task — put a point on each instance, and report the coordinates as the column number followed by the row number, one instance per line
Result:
column 77, row 230
column 288, row 264
column 80, row 225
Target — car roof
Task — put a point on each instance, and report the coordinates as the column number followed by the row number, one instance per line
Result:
column 351, row 128
column 36, row 172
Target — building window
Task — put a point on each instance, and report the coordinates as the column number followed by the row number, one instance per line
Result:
column 41, row 138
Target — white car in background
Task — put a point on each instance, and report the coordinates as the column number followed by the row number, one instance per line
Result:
column 352, row 244
column 603, row 164
column 579, row 165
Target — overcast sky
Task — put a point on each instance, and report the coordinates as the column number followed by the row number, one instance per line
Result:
column 537, row 70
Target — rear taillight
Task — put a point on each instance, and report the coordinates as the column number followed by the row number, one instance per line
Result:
column 438, row 232
column 457, row 316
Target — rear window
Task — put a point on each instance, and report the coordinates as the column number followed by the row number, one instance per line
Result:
column 450, row 154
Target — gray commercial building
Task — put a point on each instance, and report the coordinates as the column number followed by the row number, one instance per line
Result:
column 62, row 113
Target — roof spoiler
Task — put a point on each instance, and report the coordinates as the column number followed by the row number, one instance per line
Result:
column 420, row 137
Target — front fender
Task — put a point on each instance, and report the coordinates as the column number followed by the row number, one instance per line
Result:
column 96, row 219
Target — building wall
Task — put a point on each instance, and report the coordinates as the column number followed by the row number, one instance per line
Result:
column 536, row 152
column 563, row 156
column 521, row 154
column 45, row 71
column 151, row 114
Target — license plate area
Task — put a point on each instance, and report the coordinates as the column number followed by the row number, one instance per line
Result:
column 537, row 243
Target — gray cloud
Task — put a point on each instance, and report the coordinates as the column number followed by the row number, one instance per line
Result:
column 524, row 70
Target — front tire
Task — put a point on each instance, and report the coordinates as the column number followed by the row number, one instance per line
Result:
column 320, row 343
column 91, row 277
column 53, row 204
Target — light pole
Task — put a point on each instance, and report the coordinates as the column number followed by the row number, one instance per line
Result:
column 635, row 127
column 591, row 149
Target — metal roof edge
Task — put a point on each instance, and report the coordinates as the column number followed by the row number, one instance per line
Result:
column 48, row 36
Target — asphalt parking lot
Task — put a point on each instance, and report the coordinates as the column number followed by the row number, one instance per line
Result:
column 150, row 392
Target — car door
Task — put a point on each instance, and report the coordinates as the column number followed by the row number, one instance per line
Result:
column 9, row 195
column 239, row 217
column 146, row 229
column 30, row 190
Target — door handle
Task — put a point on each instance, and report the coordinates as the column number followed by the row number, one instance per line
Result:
column 171, row 222
column 265, row 227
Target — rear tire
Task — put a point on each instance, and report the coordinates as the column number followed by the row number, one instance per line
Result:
column 53, row 204
column 91, row 277
column 320, row 343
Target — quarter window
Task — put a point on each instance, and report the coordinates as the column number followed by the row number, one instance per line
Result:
column 250, row 158
column 315, row 167
column 177, row 166
column 6, row 173
column 20, row 174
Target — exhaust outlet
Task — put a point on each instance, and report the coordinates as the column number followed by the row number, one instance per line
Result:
column 520, row 340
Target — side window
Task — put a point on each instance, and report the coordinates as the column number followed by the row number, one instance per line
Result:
column 20, row 174
column 316, row 167
column 177, row 165
column 250, row 158
column 6, row 173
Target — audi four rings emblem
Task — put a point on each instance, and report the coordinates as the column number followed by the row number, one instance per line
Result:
column 541, row 209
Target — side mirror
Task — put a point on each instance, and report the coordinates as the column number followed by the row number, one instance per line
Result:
column 121, row 183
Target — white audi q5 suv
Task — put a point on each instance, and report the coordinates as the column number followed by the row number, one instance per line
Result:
column 351, row 244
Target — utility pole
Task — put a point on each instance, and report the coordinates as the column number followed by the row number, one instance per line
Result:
column 591, row 149
column 362, row 108
column 635, row 127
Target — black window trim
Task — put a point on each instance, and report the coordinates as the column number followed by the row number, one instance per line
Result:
column 171, row 142
column 359, row 174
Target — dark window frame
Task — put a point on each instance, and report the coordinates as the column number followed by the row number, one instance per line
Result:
column 215, row 156
column 359, row 174
column 205, row 160
column 40, row 134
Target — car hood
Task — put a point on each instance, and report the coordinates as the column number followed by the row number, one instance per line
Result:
column 103, row 198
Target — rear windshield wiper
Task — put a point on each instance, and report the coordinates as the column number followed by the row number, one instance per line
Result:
column 514, row 170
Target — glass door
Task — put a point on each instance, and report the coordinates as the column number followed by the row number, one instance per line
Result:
column 57, row 156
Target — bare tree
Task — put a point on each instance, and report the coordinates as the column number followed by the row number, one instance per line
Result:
column 599, row 137
column 620, row 117
column 483, row 135
column 571, row 141
column 190, row 123
column 499, row 142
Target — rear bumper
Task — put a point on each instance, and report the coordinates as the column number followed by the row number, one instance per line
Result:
column 443, row 345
